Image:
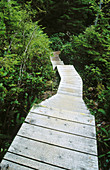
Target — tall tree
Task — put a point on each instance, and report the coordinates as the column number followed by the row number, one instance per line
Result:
column 62, row 16
column 67, row 16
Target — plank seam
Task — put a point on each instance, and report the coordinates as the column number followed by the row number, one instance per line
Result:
column 35, row 160
column 61, row 118
column 18, row 164
column 59, row 146
column 69, row 94
column 59, row 130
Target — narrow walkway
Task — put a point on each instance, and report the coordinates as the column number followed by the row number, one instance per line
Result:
column 59, row 133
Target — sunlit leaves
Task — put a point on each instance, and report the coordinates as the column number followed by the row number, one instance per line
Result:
column 24, row 66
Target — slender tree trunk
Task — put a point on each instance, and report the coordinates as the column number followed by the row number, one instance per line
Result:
column 100, row 5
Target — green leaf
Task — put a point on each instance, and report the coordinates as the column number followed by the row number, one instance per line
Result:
column 102, row 111
column 102, row 155
column 104, row 130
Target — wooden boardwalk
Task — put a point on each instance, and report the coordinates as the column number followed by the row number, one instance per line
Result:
column 59, row 133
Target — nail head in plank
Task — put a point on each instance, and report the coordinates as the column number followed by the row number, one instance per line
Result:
column 68, row 115
column 26, row 162
column 72, row 142
column 53, row 155
column 62, row 125
column 14, row 166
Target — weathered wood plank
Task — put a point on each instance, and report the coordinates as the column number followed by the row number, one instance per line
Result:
column 61, row 139
column 62, row 125
column 79, row 117
column 70, row 94
column 74, row 86
column 53, row 155
column 56, row 62
column 65, row 104
column 67, row 69
column 66, row 98
column 75, row 106
column 70, row 81
column 14, row 166
column 31, row 163
column 54, row 58
column 70, row 89
column 72, row 100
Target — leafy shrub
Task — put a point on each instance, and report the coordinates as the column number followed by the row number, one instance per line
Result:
column 24, row 68
column 90, row 54
column 58, row 40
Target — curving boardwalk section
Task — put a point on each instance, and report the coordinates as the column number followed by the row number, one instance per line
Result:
column 59, row 133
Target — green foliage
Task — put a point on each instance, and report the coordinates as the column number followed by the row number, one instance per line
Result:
column 58, row 40
column 24, row 67
column 63, row 16
column 90, row 54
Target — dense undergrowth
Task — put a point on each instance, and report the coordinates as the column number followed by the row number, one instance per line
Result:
column 25, row 68
column 89, row 52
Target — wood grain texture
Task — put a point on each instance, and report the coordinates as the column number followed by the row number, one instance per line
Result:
column 53, row 155
column 13, row 165
column 26, row 163
column 62, row 125
column 79, row 117
column 64, row 140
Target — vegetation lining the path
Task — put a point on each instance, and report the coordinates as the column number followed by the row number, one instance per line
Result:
column 25, row 68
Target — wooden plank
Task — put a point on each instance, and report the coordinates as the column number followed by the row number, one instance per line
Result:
column 72, row 78
column 55, row 58
column 66, row 99
column 67, row 70
column 62, row 125
column 61, row 139
column 75, row 88
column 14, row 166
column 66, row 115
column 53, row 155
column 68, row 73
column 70, row 94
column 66, row 67
column 57, row 62
column 62, row 106
column 70, row 89
column 62, row 96
column 65, row 104
column 70, row 81
column 31, row 163
column 73, row 84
